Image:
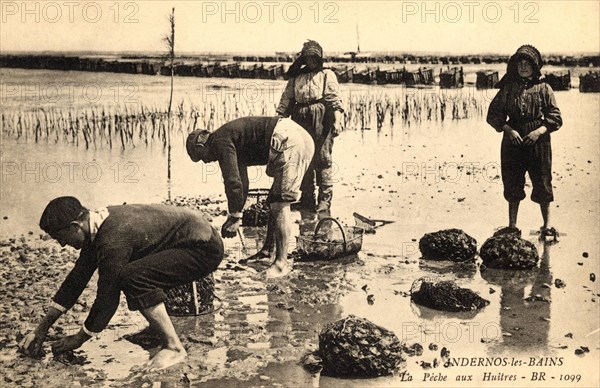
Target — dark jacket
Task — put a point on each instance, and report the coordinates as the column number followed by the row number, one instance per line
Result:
column 525, row 106
column 129, row 233
column 236, row 145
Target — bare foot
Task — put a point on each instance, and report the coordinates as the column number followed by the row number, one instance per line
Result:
column 278, row 269
column 166, row 358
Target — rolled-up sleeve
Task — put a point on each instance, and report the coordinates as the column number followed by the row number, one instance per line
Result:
column 497, row 114
column 552, row 117
column 331, row 94
column 287, row 99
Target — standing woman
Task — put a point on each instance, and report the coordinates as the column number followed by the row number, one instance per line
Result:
column 525, row 111
column 312, row 99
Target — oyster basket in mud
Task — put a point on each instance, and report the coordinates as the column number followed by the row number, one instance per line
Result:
column 356, row 347
column 323, row 246
column 445, row 295
column 258, row 213
column 194, row 298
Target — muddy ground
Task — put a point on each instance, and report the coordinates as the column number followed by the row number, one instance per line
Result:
column 260, row 329
column 424, row 178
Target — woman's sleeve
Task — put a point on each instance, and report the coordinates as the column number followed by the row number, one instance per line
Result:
column 331, row 92
column 552, row 117
column 496, row 116
column 287, row 100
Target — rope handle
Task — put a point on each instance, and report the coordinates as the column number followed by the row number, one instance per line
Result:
column 322, row 221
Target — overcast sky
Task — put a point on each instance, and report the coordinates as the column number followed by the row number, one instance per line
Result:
column 268, row 26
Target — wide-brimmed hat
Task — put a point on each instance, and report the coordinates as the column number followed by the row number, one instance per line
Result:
column 196, row 139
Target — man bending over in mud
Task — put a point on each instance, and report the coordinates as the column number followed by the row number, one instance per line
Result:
column 285, row 147
column 141, row 250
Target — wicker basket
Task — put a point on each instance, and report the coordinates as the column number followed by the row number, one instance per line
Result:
column 193, row 298
column 323, row 246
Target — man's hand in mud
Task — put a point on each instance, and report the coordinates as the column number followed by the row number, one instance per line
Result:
column 70, row 342
column 230, row 227
column 31, row 345
column 533, row 136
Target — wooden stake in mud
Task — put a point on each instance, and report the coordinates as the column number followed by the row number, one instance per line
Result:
column 170, row 40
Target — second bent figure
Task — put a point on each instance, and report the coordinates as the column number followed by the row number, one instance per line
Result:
column 284, row 147
column 312, row 99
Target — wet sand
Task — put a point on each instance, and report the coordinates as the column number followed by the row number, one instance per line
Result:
column 425, row 178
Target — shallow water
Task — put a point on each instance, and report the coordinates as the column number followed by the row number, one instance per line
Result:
column 425, row 178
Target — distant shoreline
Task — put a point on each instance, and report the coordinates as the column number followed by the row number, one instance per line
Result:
column 358, row 68
column 154, row 54
column 89, row 61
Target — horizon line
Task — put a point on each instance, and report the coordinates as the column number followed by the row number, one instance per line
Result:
column 216, row 52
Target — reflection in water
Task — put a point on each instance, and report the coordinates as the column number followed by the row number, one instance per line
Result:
column 524, row 305
column 251, row 241
column 431, row 315
column 300, row 305
column 169, row 181
column 263, row 324
column 461, row 270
